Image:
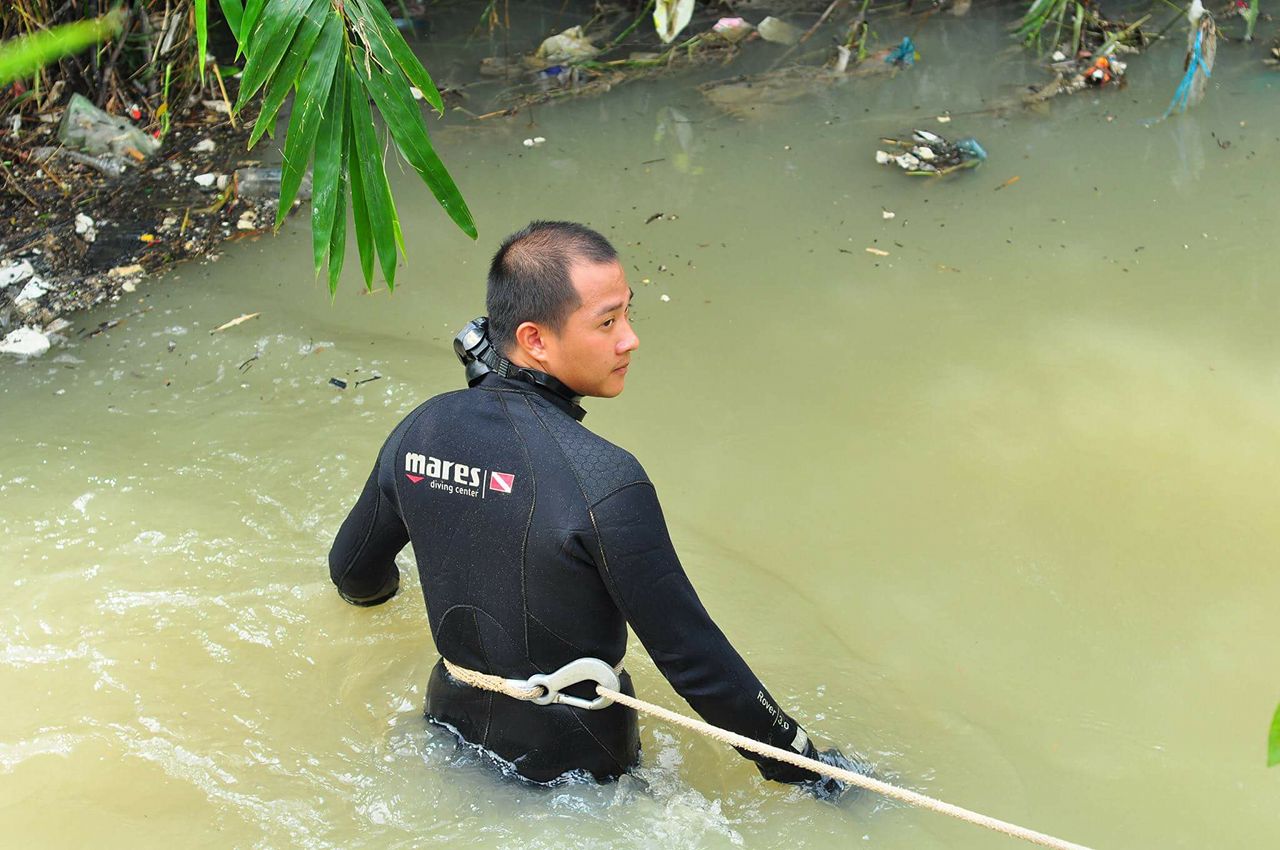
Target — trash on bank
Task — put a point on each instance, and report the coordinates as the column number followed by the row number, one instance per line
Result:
column 15, row 273
column 568, row 46
column 732, row 29
column 109, row 165
column 85, row 228
column 924, row 153
column 24, row 342
column 33, row 291
column 87, row 128
column 779, row 32
column 264, row 183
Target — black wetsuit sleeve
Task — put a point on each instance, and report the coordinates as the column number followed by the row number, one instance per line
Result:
column 644, row 576
column 362, row 561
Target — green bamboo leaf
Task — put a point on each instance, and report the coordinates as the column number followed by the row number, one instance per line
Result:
column 233, row 11
column 338, row 238
column 202, row 33
column 390, row 49
column 252, row 10
column 330, row 163
column 304, row 123
column 286, row 75
column 359, row 208
column 268, row 41
column 1273, row 742
column 373, row 175
column 391, row 92
column 24, row 56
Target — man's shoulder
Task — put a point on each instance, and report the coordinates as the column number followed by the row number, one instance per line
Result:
column 602, row 467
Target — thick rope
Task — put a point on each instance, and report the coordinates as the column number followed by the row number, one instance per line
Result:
column 489, row 682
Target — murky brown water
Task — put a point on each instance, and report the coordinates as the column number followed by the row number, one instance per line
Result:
column 997, row 510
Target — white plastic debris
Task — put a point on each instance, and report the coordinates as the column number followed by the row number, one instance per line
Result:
column 568, row 46
column 58, row 325
column 33, row 291
column 15, row 124
column 85, row 227
column 779, row 32
column 664, row 297
column 24, row 342
column 204, row 146
column 732, row 29
column 206, row 180
column 887, row 214
column 248, row 220
column 923, row 152
column 15, row 273
column 1059, row 56
column 883, row 157
column 534, row 142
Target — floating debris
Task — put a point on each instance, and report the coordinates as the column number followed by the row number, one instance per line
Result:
column 238, row 320
column 925, row 153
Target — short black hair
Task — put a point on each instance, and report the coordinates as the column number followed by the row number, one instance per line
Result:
column 529, row 276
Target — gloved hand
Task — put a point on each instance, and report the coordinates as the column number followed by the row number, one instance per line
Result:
column 832, row 790
column 822, row 787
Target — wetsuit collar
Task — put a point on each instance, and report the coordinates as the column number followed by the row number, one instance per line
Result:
column 546, row 386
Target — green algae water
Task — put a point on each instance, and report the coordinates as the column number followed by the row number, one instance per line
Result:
column 996, row 510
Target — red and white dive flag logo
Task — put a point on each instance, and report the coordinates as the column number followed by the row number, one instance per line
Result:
column 501, row 482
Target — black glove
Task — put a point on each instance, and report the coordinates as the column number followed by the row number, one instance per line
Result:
column 822, row 787
column 832, row 790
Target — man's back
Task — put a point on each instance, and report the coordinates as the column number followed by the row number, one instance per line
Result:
column 537, row 542
column 494, row 486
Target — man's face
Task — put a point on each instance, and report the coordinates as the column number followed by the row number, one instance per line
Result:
column 592, row 350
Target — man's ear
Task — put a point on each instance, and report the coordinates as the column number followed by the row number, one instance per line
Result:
column 530, row 342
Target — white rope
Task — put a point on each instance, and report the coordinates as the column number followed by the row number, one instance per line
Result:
column 498, row 684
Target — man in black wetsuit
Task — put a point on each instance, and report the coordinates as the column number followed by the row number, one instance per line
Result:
column 538, row 542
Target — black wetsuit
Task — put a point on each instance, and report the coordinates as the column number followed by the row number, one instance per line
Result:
column 537, row 542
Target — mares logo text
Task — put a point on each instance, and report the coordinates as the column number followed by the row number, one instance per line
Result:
column 457, row 478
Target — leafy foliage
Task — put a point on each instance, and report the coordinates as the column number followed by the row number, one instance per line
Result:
column 337, row 56
column 1273, row 740
column 23, row 57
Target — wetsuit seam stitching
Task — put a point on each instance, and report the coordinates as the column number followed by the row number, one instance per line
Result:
column 564, row 454
column 488, row 715
column 524, row 542
column 556, row 634
column 617, row 490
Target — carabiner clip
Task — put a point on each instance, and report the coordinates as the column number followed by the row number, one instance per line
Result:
column 581, row 670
